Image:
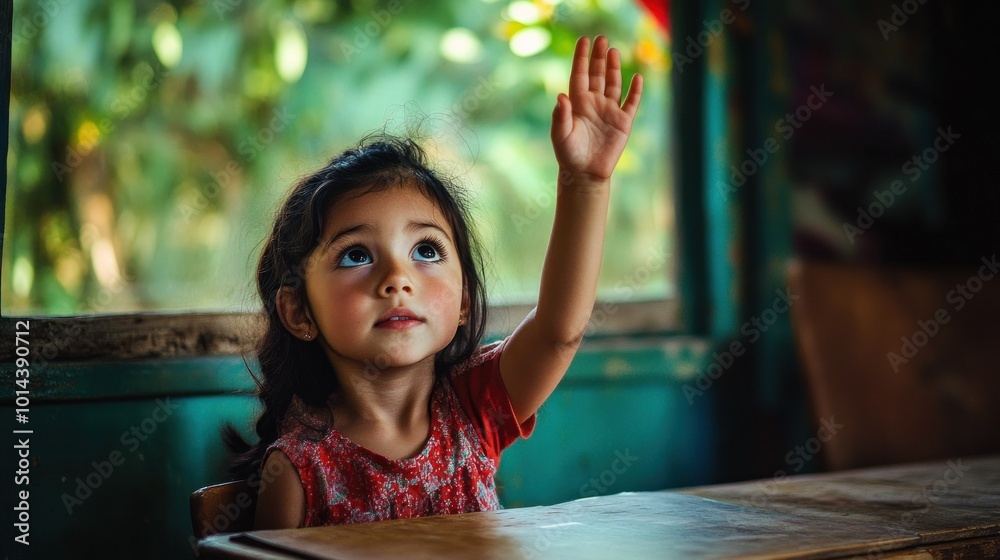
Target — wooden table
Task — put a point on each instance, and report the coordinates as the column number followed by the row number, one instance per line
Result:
column 939, row 509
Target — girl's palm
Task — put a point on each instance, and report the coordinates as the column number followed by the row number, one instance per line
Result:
column 590, row 127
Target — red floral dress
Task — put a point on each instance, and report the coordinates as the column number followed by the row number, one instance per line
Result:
column 472, row 422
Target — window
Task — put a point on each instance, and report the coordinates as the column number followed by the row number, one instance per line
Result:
column 150, row 142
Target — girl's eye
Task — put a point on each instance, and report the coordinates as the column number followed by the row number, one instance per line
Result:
column 427, row 252
column 355, row 257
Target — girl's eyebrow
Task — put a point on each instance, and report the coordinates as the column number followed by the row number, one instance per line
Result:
column 367, row 228
column 413, row 226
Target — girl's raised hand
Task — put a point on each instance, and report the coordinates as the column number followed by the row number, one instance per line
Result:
column 591, row 125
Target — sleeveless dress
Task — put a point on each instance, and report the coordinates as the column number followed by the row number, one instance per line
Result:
column 472, row 422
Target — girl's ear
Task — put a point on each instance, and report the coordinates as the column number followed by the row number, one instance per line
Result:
column 294, row 315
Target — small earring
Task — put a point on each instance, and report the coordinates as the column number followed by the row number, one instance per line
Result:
column 309, row 335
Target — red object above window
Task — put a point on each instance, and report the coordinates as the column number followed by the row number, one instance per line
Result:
column 660, row 10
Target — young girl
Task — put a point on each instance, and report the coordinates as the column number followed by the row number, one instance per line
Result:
column 378, row 401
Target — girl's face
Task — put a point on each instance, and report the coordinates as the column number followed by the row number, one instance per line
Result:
column 384, row 285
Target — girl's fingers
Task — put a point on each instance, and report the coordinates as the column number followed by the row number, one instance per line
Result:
column 632, row 97
column 562, row 118
column 594, row 71
column 579, row 77
column 598, row 64
column 613, row 76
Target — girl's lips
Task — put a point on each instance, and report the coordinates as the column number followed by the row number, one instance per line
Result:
column 398, row 324
column 398, row 315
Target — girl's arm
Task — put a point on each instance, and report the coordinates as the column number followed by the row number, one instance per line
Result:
column 589, row 131
column 281, row 500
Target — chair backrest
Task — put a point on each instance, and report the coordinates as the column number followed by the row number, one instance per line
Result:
column 904, row 360
column 223, row 508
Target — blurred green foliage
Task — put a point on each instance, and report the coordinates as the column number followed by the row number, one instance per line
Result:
column 150, row 142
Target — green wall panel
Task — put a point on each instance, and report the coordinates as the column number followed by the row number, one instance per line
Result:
column 599, row 439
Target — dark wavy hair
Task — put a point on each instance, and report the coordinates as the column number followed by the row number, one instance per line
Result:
column 290, row 367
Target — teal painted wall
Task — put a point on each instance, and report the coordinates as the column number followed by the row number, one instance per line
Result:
column 599, row 439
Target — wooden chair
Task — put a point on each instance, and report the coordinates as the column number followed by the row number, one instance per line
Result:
column 903, row 359
column 223, row 508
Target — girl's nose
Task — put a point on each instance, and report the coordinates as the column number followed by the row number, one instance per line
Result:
column 396, row 279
